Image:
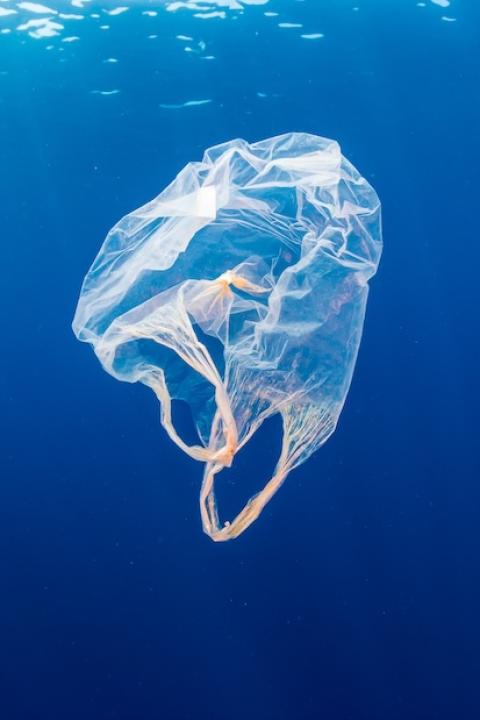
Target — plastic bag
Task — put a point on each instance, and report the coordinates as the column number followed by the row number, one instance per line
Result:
column 241, row 289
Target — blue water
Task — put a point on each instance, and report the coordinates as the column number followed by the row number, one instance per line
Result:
column 356, row 595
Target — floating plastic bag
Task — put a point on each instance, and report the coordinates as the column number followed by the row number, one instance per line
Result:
column 241, row 289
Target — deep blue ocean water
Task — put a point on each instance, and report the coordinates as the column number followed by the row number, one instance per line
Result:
column 356, row 595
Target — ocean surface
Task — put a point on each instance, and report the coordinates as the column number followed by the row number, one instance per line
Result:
column 356, row 595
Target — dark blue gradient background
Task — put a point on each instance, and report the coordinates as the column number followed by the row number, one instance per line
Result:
column 356, row 595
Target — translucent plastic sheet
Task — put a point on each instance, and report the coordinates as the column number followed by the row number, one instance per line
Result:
column 241, row 289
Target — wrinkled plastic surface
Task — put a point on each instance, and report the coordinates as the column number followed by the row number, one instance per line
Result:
column 241, row 289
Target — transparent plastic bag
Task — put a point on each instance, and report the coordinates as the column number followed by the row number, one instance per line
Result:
column 241, row 289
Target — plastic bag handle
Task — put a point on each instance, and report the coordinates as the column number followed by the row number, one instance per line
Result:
column 251, row 510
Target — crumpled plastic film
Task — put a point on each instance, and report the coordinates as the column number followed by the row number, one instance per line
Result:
column 241, row 289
